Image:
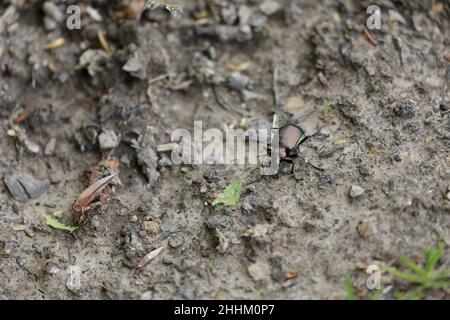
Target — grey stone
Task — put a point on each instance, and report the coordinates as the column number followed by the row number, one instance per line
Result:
column 50, row 24
column 73, row 282
column 244, row 13
column 356, row 191
column 33, row 187
column 259, row 271
column 269, row 7
column 50, row 147
column 108, row 140
column 16, row 189
column 94, row 61
column 30, row 146
column 168, row 227
column 248, row 95
column 146, row 155
column 238, row 81
column 52, row 11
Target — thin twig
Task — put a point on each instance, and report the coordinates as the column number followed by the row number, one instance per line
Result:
column 221, row 103
column 158, row 78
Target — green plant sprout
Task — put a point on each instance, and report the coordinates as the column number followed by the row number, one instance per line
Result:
column 425, row 277
column 231, row 195
column 326, row 108
column 350, row 292
column 422, row 277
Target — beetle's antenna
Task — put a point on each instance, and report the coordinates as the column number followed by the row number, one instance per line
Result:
column 310, row 164
column 276, row 96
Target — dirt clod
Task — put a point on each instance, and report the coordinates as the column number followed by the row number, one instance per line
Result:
column 259, row 271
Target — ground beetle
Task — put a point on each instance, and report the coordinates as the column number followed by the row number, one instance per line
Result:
column 291, row 137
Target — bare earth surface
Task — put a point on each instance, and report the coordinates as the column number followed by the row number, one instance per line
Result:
column 386, row 136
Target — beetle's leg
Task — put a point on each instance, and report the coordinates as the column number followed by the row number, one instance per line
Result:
column 290, row 160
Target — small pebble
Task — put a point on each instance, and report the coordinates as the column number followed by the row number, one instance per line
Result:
column 176, row 240
column 30, row 146
column 33, row 187
column 167, row 260
column 50, row 24
column 52, row 11
column 269, row 7
column 244, row 13
column 50, row 147
column 73, row 282
column 165, row 162
column 238, row 81
column 16, row 189
column 125, row 160
column 94, row 14
column 364, row 229
column 108, row 140
column 398, row 157
column 248, row 95
column 356, row 191
column 259, row 271
column 151, row 227
column 24, row 186
column 405, row 109
column 52, row 269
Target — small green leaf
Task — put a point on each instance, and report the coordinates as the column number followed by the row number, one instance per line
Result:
column 350, row 292
column 432, row 256
column 402, row 275
column 231, row 195
column 412, row 266
column 326, row 108
column 14, row 109
column 52, row 222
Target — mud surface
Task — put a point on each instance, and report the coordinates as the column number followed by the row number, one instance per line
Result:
column 383, row 144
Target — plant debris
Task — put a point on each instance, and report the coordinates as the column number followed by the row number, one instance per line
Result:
column 149, row 257
column 96, row 197
column 54, row 223
column 231, row 195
